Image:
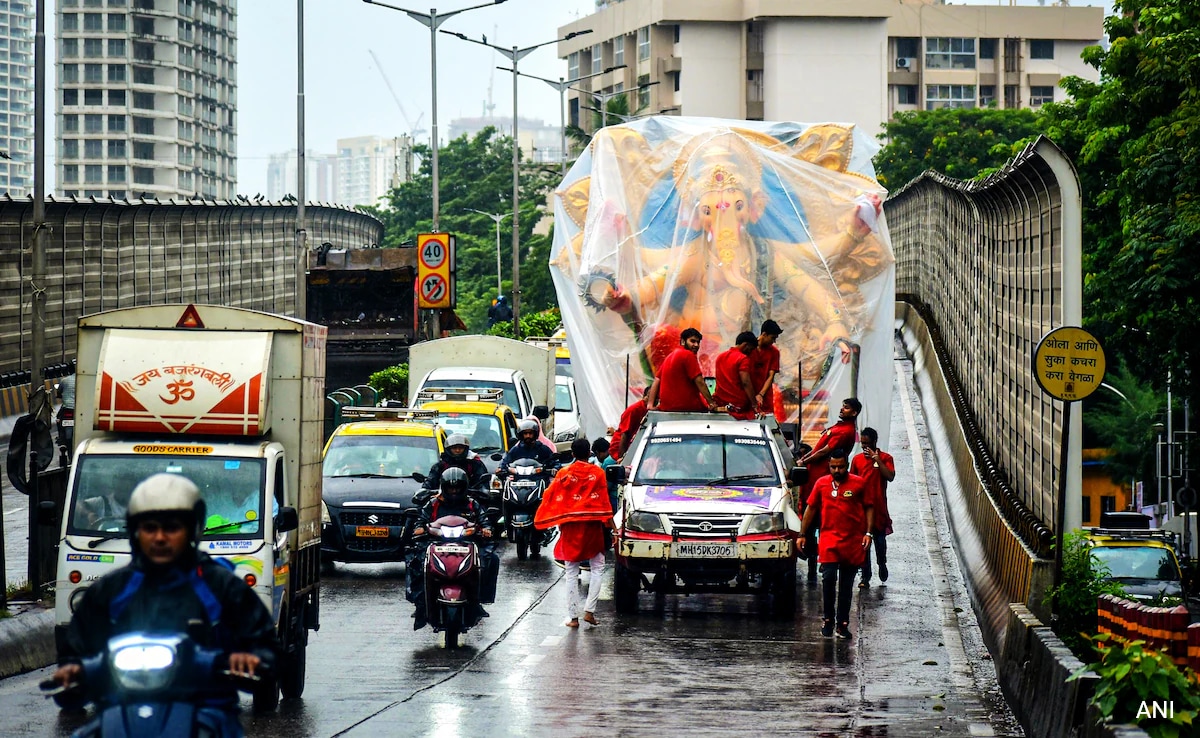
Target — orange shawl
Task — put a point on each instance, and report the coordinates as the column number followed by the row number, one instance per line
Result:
column 578, row 493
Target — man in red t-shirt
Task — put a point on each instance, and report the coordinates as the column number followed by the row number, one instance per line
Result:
column 680, row 386
column 631, row 420
column 847, row 512
column 877, row 468
column 764, row 365
column 734, row 389
column 841, row 435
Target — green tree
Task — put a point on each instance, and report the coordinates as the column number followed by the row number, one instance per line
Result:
column 475, row 173
column 960, row 143
column 1136, row 140
column 1122, row 417
column 618, row 112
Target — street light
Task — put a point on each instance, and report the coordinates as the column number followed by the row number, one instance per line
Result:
column 606, row 96
column 496, row 217
column 515, row 55
column 562, row 87
column 433, row 19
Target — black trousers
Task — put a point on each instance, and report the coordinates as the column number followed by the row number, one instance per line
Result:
column 837, row 582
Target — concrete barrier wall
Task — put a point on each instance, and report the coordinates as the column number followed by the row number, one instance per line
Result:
column 28, row 642
column 102, row 255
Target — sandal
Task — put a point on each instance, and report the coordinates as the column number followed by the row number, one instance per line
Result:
column 572, row 623
column 590, row 619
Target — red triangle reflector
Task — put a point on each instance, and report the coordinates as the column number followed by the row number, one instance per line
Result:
column 190, row 318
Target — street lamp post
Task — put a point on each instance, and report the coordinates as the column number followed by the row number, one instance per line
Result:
column 562, row 87
column 515, row 55
column 433, row 20
column 606, row 96
column 301, row 233
column 497, row 217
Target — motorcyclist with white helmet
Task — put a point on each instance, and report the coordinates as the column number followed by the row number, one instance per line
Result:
column 172, row 586
column 527, row 448
column 458, row 455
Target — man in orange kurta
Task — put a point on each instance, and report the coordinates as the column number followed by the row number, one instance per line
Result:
column 577, row 502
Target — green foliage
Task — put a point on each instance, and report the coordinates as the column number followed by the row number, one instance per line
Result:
column 618, row 112
column 1135, row 138
column 960, row 143
column 544, row 323
column 391, row 382
column 1075, row 600
column 1124, row 424
column 476, row 174
column 1132, row 676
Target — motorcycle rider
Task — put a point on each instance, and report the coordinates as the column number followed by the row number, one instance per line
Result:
column 458, row 455
column 527, row 448
column 452, row 500
column 169, row 586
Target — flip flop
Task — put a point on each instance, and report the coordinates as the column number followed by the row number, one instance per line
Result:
column 572, row 623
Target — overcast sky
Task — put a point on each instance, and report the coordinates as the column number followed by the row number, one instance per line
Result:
column 344, row 90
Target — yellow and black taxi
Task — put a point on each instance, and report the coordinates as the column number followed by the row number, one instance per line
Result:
column 1141, row 559
column 367, row 481
column 490, row 427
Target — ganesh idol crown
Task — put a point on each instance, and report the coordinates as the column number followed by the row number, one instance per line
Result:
column 668, row 223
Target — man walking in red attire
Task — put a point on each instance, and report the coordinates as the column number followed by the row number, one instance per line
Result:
column 764, row 365
column 680, row 387
column 734, row 389
column 838, row 437
column 577, row 502
column 631, row 420
column 877, row 468
column 847, row 510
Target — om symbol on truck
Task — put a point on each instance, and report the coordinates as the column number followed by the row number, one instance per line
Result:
column 180, row 389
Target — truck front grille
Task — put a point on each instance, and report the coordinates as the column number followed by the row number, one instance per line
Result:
column 705, row 526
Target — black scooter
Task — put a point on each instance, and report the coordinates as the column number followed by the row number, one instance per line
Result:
column 523, row 489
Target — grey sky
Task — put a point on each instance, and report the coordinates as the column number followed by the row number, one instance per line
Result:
column 345, row 94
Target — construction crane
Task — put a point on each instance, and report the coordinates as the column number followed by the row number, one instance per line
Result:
column 413, row 128
column 402, row 166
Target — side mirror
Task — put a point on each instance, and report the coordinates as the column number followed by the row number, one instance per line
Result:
column 45, row 512
column 541, row 412
column 287, row 520
column 797, row 476
column 418, row 476
column 497, row 456
column 615, row 474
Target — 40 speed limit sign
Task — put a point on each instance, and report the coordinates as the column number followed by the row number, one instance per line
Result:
column 435, row 271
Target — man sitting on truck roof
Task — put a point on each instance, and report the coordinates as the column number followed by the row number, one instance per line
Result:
column 680, row 387
column 735, row 392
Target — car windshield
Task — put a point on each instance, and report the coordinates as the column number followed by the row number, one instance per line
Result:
column 707, row 459
column 482, row 431
column 379, row 456
column 232, row 490
column 1137, row 562
column 562, row 399
column 510, row 391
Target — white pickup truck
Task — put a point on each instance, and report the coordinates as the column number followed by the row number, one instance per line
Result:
column 707, row 506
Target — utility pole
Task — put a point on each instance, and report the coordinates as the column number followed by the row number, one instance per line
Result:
column 37, row 278
column 301, row 165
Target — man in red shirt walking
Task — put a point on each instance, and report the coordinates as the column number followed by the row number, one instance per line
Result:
column 680, row 386
column 847, row 514
column 764, row 365
column 877, row 468
column 734, row 389
column 839, row 436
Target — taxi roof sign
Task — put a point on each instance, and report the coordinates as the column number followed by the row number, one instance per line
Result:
column 465, row 394
column 190, row 318
column 387, row 413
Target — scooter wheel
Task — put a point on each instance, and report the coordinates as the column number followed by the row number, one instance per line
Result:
column 535, row 550
column 522, row 550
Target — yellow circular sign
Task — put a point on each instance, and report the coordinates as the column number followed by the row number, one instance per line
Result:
column 1069, row 363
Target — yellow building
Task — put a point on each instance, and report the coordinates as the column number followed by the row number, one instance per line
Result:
column 1100, row 492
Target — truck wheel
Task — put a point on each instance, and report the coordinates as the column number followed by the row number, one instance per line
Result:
column 785, row 594
column 294, row 665
column 625, row 590
column 266, row 696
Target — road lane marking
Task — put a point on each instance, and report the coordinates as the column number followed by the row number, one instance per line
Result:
column 532, row 659
column 551, row 641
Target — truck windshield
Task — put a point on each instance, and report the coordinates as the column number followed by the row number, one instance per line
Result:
column 379, row 456
column 232, row 489
column 483, row 431
column 510, row 391
column 1138, row 562
column 707, row 459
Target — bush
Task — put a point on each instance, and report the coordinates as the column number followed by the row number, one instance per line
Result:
column 1076, row 598
column 391, row 382
column 1133, row 679
column 544, row 323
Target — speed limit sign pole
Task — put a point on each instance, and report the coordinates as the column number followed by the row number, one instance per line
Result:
column 435, row 273
column 1068, row 365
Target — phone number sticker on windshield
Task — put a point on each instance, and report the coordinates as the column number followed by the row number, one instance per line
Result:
column 162, row 448
column 667, row 439
column 750, row 441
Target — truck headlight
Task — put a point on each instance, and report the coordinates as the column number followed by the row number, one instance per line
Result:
column 564, row 436
column 325, row 518
column 645, row 522
column 765, row 523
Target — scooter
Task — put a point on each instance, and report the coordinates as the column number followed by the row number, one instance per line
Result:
column 452, row 577
column 65, row 420
column 523, row 489
column 153, row 685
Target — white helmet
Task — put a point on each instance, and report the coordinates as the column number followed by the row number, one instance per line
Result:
column 167, row 493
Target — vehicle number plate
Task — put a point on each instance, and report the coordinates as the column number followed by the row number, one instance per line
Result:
column 371, row 531
column 704, row 550
column 68, row 423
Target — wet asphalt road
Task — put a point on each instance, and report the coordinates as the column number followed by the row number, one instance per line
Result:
column 704, row 665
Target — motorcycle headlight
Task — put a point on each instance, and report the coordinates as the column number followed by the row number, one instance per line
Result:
column 645, row 522
column 765, row 523
column 143, row 664
column 564, row 436
column 325, row 517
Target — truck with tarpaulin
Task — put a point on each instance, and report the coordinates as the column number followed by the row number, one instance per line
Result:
column 232, row 399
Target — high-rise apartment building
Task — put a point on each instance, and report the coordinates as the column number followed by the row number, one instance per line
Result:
column 146, row 104
column 369, row 166
column 855, row 61
column 318, row 178
column 16, row 97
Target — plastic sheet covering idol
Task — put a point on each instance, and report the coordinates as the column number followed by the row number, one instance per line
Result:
column 670, row 222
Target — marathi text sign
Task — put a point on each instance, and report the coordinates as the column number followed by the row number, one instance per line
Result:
column 1069, row 363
